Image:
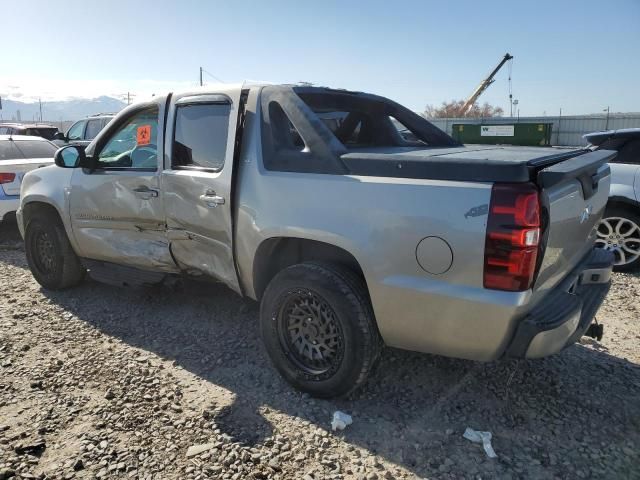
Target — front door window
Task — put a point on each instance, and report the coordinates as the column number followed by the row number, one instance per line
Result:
column 93, row 128
column 134, row 144
column 76, row 131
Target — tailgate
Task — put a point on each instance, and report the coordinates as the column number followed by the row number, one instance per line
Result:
column 574, row 193
column 19, row 168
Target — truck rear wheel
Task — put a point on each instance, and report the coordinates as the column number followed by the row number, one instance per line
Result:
column 50, row 256
column 318, row 328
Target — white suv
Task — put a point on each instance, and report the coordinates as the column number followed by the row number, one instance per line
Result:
column 619, row 230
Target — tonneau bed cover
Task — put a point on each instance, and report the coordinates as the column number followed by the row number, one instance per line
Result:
column 471, row 163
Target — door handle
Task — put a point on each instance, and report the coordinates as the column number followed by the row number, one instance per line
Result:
column 211, row 199
column 145, row 193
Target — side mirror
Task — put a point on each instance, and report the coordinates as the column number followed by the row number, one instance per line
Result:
column 70, row 156
column 59, row 136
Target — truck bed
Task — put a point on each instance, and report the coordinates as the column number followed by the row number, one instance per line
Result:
column 466, row 163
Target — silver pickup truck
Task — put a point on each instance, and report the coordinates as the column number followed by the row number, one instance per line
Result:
column 350, row 233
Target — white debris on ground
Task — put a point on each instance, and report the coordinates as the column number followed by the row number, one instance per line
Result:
column 194, row 450
column 340, row 421
column 481, row 437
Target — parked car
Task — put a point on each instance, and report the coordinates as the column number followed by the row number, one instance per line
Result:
column 18, row 155
column 619, row 230
column 83, row 131
column 43, row 130
column 350, row 236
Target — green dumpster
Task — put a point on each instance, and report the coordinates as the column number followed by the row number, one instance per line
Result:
column 536, row 134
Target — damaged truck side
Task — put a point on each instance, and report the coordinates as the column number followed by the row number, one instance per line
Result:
column 353, row 221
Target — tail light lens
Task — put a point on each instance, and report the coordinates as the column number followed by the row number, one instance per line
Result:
column 513, row 237
column 7, row 177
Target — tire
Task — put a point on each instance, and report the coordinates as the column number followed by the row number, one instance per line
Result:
column 50, row 256
column 341, row 321
column 619, row 232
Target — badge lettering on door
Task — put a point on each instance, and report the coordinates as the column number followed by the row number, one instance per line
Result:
column 144, row 135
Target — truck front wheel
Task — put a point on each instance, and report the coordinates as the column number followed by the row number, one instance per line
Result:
column 51, row 258
column 318, row 328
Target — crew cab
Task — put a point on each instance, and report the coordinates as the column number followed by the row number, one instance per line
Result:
column 350, row 234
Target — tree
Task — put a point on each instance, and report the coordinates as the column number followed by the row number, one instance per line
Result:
column 453, row 109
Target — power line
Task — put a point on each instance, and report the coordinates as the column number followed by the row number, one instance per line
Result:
column 202, row 70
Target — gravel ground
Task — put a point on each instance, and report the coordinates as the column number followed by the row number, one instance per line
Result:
column 101, row 382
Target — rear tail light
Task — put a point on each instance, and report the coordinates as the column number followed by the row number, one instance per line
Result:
column 7, row 177
column 513, row 237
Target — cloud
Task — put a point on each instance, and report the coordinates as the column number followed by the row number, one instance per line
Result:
column 56, row 89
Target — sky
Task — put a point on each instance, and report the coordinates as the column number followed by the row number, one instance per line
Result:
column 581, row 56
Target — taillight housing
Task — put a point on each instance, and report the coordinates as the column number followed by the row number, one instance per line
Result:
column 513, row 237
column 7, row 177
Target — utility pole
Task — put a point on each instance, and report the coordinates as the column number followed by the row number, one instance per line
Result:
column 559, row 121
column 40, row 102
column 129, row 96
column 606, row 124
column 200, row 76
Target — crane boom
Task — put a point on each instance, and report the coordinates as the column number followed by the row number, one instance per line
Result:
column 484, row 84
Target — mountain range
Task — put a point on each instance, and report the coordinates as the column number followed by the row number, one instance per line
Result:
column 56, row 111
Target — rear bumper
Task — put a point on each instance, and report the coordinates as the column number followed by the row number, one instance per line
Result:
column 563, row 316
column 440, row 317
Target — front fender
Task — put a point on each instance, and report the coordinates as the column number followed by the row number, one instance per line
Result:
column 49, row 185
column 622, row 193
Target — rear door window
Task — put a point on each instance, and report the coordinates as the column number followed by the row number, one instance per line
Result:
column 200, row 139
column 36, row 149
column 93, row 128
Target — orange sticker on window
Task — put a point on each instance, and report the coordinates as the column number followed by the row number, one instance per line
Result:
column 144, row 135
